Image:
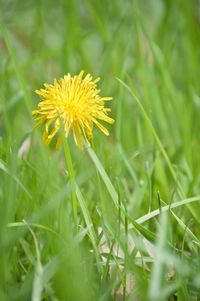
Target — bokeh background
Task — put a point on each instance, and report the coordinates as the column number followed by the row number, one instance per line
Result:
column 151, row 156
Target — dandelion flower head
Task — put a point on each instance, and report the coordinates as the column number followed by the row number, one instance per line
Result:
column 74, row 103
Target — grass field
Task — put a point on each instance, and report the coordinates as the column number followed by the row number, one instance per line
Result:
column 137, row 191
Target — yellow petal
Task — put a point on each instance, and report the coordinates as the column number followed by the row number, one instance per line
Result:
column 59, row 142
column 78, row 136
column 102, row 128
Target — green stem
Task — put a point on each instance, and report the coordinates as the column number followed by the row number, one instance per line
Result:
column 68, row 160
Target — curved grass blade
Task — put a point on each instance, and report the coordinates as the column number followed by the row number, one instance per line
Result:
column 156, row 212
column 164, row 153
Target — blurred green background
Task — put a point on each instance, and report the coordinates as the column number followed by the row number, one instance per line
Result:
column 150, row 160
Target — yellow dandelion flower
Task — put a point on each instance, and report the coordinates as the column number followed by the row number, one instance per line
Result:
column 75, row 102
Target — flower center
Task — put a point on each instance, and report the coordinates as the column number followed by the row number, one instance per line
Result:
column 72, row 111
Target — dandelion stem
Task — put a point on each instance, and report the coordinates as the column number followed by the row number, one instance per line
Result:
column 68, row 159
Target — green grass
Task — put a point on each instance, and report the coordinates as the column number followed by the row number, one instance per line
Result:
column 135, row 194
